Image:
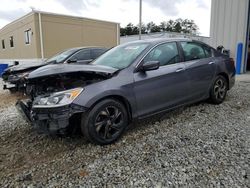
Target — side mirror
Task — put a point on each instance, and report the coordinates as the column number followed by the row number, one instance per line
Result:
column 72, row 60
column 150, row 65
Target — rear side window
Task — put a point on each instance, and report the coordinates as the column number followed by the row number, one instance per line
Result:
column 97, row 52
column 166, row 54
column 192, row 51
column 82, row 55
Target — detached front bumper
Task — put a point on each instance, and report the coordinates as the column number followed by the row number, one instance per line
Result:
column 49, row 120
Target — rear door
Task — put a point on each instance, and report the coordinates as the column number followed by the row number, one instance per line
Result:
column 165, row 87
column 200, row 68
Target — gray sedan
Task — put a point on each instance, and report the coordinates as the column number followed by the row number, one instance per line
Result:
column 131, row 81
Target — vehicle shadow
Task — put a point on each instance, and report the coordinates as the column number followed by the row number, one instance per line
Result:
column 136, row 126
column 163, row 116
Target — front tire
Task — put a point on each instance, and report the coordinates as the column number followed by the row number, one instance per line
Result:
column 105, row 122
column 218, row 92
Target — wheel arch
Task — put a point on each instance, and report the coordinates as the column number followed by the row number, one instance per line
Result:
column 119, row 98
column 225, row 75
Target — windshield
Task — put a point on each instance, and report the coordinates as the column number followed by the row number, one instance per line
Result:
column 121, row 56
column 62, row 56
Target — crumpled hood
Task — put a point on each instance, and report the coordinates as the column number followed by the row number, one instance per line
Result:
column 50, row 70
column 17, row 68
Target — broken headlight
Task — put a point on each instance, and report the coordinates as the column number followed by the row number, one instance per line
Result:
column 57, row 99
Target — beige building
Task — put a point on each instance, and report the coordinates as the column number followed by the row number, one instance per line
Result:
column 39, row 35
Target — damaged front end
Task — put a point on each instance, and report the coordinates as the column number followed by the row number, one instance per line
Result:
column 15, row 77
column 51, row 107
column 16, row 81
column 55, row 120
column 51, row 113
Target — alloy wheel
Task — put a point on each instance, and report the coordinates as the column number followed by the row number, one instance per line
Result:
column 109, row 122
column 220, row 89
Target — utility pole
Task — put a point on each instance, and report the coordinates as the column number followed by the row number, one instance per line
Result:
column 140, row 14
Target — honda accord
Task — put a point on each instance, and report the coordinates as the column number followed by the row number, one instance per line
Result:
column 131, row 81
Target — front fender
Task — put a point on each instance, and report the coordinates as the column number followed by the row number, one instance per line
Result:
column 91, row 95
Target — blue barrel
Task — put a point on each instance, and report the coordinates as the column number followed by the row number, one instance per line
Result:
column 2, row 68
column 239, row 58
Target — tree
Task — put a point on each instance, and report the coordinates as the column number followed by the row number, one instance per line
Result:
column 149, row 26
column 188, row 26
column 135, row 30
column 170, row 26
column 156, row 28
column 163, row 26
column 122, row 31
column 179, row 25
column 143, row 28
column 129, row 29
column 152, row 27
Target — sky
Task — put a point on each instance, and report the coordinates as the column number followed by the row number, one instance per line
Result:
column 121, row 11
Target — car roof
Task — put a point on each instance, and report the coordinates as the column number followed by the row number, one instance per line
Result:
column 159, row 40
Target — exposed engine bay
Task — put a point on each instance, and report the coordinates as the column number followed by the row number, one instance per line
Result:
column 61, row 82
column 52, row 90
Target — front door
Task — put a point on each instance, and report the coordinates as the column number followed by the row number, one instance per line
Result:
column 165, row 87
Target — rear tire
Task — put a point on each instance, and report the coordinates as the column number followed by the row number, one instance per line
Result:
column 105, row 122
column 218, row 91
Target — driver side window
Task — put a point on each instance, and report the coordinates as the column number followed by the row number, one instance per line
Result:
column 166, row 54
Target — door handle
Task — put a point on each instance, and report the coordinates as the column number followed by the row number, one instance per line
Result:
column 180, row 69
column 211, row 63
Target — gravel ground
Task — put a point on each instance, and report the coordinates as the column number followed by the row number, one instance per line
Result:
column 202, row 145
